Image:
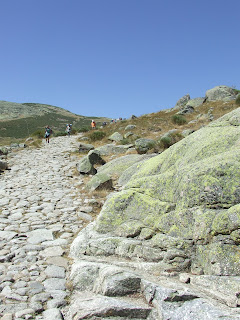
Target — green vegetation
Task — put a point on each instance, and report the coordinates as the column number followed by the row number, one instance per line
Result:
column 38, row 134
column 178, row 119
column 124, row 141
column 97, row 135
column 22, row 120
column 25, row 127
column 83, row 129
column 59, row 133
column 165, row 142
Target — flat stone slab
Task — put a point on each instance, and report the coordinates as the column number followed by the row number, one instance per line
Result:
column 54, row 284
column 39, row 235
column 52, row 252
column 85, row 307
column 7, row 235
column 58, row 261
column 52, row 314
column 55, row 272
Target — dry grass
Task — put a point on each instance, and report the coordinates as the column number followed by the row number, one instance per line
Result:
column 6, row 141
column 154, row 125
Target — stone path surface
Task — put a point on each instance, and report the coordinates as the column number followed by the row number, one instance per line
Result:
column 41, row 213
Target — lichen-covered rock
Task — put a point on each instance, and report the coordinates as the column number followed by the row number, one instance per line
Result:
column 85, row 166
column 116, row 167
column 189, row 192
column 3, row 151
column 131, row 170
column 85, row 147
column 187, row 132
column 220, row 93
column 94, row 157
column 130, row 127
column 182, row 102
column 100, row 181
column 186, row 109
column 195, row 102
column 128, row 134
column 143, row 145
column 116, row 136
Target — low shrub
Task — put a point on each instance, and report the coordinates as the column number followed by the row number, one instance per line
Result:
column 178, row 119
column 97, row 135
column 165, row 142
column 124, row 141
column 83, row 129
column 168, row 141
column 38, row 134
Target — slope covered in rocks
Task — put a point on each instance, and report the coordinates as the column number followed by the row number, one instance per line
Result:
column 170, row 235
column 166, row 242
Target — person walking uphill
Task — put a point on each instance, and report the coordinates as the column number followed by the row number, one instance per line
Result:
column 93, row 124
column 48, row 132
column 68, row 129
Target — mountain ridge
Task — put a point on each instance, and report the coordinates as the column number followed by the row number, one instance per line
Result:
column 20, row 120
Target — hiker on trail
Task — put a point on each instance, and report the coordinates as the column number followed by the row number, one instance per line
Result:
column 93, row 124
column 68, row 129
column 48, row 132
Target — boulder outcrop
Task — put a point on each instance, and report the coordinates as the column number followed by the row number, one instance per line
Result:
column 182, row 208
column 224, row 93
column 176, row 218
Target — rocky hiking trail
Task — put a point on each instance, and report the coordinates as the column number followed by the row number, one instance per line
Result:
column 44, row 274
column 41, row 212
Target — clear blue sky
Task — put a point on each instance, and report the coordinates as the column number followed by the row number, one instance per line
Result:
column 116, row 58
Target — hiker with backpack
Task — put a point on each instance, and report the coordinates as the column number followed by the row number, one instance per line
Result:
column 68, row 129
column 48, row 132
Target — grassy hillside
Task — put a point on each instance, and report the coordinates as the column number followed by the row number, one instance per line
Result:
column 155, row 125
column 19, row 121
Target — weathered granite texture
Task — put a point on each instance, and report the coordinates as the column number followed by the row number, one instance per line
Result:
column 184, row 203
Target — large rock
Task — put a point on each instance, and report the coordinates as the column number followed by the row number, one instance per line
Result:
column 195, row 102
column 116, row 136
column 94, row 157
column 99, row 182
column 143, row 145
column 130, row 127
column 116, row 167
column 134, row 168
column 88, row 306
column 186, row 109
column 113, row 281
column 3, row 165
column 182, row 304
column 3, row 151
column 182, row 102
column 221, row 93
column 190, row 106
column 85, row 147
column 84, row 166
column 189, row 193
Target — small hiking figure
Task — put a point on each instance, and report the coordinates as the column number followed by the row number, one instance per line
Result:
column 93, row 124
column 68, row 129
column 48, row 132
